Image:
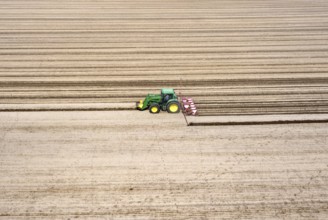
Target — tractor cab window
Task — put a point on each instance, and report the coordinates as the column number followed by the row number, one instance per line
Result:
column 166, row 97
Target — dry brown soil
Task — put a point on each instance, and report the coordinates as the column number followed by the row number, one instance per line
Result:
column 134, row 165
column 233, row 57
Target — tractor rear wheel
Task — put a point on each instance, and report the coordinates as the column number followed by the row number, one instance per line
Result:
column 154, row 108
column 173, row 107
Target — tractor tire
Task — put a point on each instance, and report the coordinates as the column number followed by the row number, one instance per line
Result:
column 154, row 108
column 173, row 107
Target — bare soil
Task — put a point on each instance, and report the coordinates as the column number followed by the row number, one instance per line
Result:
column 235, row 58
column 232, row 57
column 134, row 165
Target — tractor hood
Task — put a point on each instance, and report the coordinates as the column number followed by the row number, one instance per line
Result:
column 150, row 98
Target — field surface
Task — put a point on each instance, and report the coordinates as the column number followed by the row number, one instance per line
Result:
column 232, row 57
column 240, row 60
column 127, row 165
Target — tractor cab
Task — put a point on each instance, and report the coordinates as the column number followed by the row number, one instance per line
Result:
column 167, row 94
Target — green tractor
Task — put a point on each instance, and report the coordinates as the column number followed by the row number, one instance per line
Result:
column 166, row 101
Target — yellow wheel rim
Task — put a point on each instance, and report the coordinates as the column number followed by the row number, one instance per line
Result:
column 154, row 109
column 174, row 108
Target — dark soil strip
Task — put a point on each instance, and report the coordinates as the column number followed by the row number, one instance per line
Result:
column 257, row 122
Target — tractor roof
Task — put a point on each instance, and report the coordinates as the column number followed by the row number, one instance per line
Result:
column 168, row 91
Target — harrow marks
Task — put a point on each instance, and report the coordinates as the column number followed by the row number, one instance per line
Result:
column 232, row 57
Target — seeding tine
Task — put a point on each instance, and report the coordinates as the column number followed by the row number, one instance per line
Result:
column 189, row 107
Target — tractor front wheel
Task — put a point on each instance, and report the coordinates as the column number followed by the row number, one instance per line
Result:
column 173, row 107
column 154, row 108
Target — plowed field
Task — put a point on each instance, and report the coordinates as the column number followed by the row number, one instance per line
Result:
column 233, row 57
column 239, row 60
